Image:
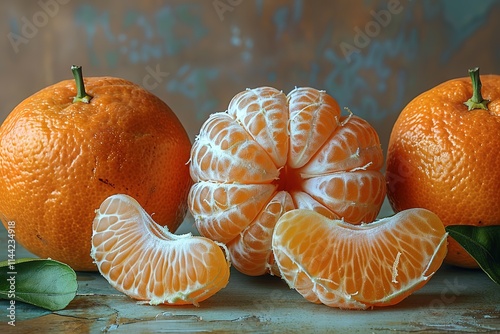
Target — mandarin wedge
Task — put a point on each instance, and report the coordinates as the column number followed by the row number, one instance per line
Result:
column 358, row 266
column 270, row 153
column 146, row 262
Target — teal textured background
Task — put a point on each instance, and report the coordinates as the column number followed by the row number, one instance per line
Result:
column 372, row 56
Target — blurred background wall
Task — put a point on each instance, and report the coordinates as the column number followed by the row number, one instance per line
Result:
column 372, row 56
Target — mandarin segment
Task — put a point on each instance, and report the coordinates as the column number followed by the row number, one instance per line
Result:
column 314, row 116
column 355, row 196
column 251, row 251
column 355, row 145
column 358, row 266
column 305, row 201
column 146, row 262
column 222, row 211
column 263, row 113
column 225, row 152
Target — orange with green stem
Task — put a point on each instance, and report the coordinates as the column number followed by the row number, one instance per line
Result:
column 442, row 155
column 66, row 148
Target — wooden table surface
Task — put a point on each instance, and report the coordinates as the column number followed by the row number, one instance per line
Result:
column 454, row 300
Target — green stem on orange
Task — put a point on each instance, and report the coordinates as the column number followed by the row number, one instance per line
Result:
column 81, row 95
column 476, row 101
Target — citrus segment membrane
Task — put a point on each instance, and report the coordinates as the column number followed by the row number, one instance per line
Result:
column 225, row 152
column 263, row 113
column 314, row 116
column 354, row 195
column 251, row 249
column 305, row 201
column 358, row 266
column 146, row 262
column 353, row 146
column 222, row 211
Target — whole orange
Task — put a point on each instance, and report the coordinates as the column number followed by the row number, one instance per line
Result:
column 59, row 159
column 444, row 157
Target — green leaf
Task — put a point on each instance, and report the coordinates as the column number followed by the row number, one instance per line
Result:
column 45, row 283
column 482, row 243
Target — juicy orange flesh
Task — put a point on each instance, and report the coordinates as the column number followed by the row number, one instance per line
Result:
column 267, row 143
column 314, row 116
column 350, row 266
column 146, row 262
column 263, row 114
column 224, row 152
column 224, row 210
column 251, row 249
